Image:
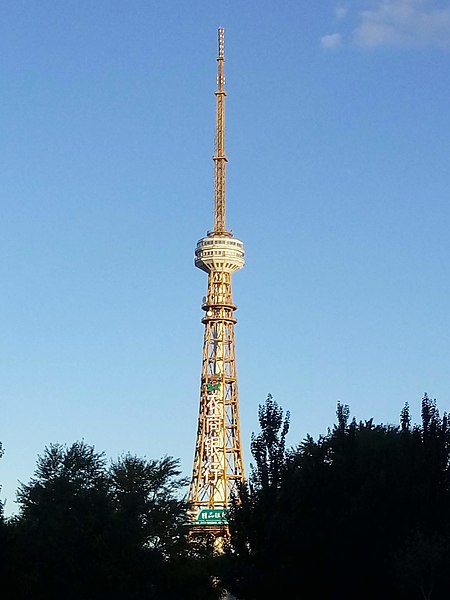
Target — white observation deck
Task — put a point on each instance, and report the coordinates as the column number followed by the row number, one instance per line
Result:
column 219, row 252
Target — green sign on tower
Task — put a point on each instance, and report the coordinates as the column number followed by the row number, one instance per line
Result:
column 212, row 516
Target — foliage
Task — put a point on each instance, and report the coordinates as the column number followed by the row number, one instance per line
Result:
column 363, row 510
column 88, row 531
column 245, row 572
column 145, row 498
column 365, row 507
column 268, row 447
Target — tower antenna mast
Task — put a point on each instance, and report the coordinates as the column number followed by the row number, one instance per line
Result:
column 220, row 159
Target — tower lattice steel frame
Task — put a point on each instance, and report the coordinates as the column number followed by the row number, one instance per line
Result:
column 218, row 465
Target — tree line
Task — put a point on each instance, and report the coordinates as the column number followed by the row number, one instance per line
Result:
column 363, row 511
column 88, row 531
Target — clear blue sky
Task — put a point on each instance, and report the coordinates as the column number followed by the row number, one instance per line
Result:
column 338, row 138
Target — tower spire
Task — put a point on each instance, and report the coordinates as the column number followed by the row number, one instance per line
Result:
column 219, row 157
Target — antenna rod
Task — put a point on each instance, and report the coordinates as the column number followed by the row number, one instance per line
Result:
column 219, row 158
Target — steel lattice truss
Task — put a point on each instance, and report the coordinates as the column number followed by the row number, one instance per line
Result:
column 218, row 463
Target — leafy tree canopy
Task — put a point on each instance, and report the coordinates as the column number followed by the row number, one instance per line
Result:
column 357, row 509
column 87, row 530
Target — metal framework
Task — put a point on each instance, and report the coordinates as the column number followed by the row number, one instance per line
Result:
column 218, row 465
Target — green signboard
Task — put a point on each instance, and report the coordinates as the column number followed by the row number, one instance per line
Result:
column 210, row 516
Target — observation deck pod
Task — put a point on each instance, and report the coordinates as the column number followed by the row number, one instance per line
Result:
column 219, row 252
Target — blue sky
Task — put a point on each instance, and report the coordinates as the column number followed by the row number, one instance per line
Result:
column 338, row 139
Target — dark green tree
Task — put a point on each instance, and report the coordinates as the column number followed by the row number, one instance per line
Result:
column 146, row 498
column 89, row 531
column 155, row 557
column 268, row 448
column 354, row 512
column 63, row 531
column 247, row 566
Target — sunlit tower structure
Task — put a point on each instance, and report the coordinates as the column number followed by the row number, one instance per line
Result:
column 218, row 465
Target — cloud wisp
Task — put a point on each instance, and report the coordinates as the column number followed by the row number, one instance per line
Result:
column 331, row 41
column 404, row 23
column 401, row 23
column 341, row 11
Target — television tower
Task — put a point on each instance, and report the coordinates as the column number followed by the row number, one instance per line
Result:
column 218, row 463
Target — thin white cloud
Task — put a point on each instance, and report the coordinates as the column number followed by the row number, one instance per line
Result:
column 331, row 41
column 404, row 23
column 341, row 11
